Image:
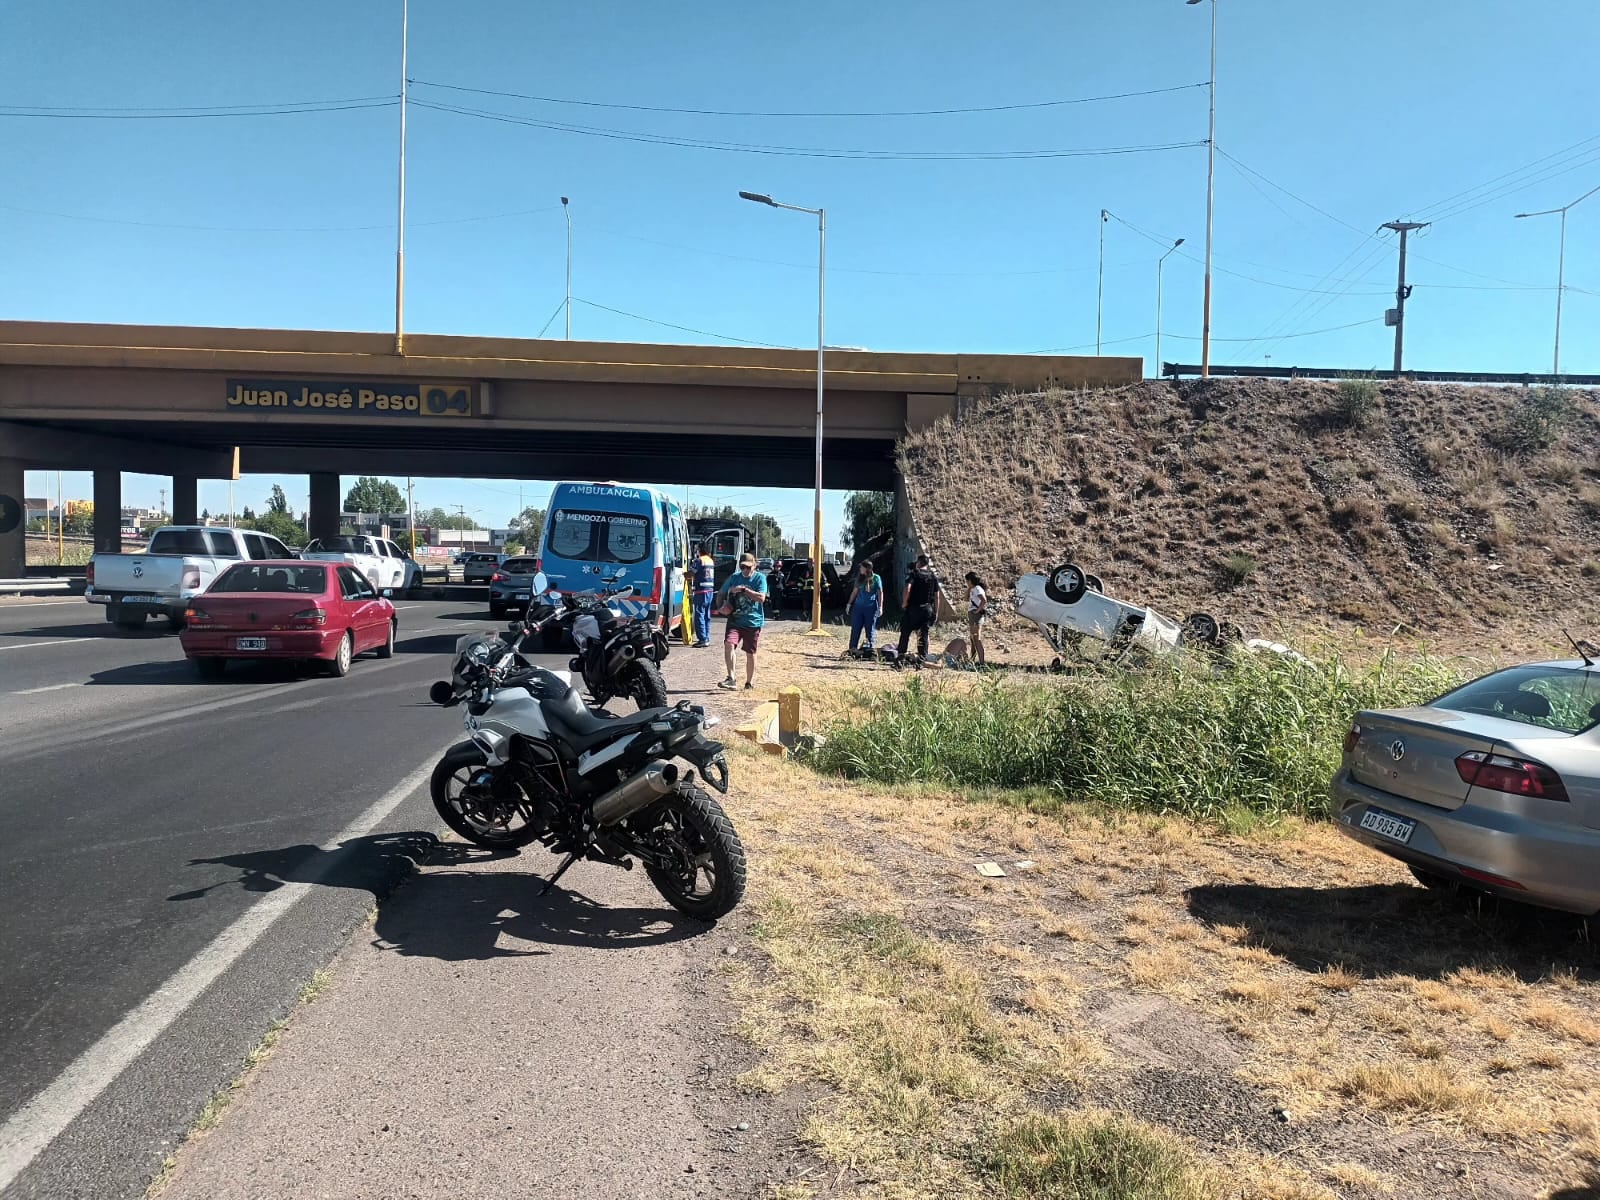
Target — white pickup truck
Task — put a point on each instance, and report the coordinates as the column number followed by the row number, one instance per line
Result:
column 383, row 563
column 180, row 562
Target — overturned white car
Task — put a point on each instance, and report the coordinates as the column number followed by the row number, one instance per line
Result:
column 1069, row 606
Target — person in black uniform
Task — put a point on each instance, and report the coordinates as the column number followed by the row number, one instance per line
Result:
column 920, row 604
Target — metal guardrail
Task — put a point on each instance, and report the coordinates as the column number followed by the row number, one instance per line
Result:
column 1179, row 370
column 35, row 585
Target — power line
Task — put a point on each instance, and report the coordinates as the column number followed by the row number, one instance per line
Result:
column 726, row 337
column 40, row 212
column 782, row 151
column 293, row 108
column 1465, row 193
column 1190, row 337
column 552, row 319
column 717, row 112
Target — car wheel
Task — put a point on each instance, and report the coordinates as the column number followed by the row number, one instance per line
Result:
column 387, row 649
column 1202, row 628
column 1066, row 584
column 340, row 663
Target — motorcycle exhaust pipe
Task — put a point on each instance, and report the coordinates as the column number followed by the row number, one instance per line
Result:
column 629, row 796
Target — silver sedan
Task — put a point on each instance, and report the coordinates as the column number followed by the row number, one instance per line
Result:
column 1495, row 785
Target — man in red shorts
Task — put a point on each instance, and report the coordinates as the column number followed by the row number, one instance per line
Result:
column 744, row 600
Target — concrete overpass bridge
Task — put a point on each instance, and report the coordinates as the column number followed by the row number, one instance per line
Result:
column 199, row 403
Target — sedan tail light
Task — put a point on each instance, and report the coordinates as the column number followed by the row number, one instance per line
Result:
column 191, row 577
column 316, row 616
column 497, row 577
column 1515, row 776
column 1351, row 738
column 88, row 573
column 194, row 615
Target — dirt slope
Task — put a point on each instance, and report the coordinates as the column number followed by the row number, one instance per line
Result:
column 1468, row 514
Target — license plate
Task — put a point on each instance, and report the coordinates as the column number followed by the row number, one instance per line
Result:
column 250, row 644
column 143, row 600
column 1396, row 829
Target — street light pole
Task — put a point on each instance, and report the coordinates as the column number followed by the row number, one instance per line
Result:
column 1561, row 265
column 400, row 223
column 1100, row 287
column 568, row 213
column 1161, row 262
column 1211, row 193
column 822, row 259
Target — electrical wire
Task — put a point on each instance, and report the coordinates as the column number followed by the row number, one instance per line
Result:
column 782, row 151
column 726, row 337
column 1467, row 194
column 40, row 212
column 716, row 112
column 294, row 108
column 552, row 319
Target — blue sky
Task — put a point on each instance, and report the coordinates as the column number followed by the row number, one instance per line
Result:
column 1332, row 118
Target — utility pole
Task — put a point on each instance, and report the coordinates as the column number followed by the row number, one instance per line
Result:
column 567, row 212
column 411, row 515
column 1100, row 290
column 1397, row 315
column 162, row 492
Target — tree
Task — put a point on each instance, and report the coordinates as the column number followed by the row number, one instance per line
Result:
column 438, row 518
column 869, row 523
column 283, row 527
column 278, row 502
column 248, row 516
column 374, row 495
column 205, row 514
column 80, row 521
column 529, row 522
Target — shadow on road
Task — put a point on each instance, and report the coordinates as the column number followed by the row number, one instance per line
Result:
column 374, row 863
column 183, row 672
column 1382, row 930
column 89, row 629
column 466, row 915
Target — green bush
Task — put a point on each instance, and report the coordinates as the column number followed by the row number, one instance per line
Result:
column 1358, row 402
column 1260, row 739
column 1081, row 1156
column 1236, row 568
column 1537, row 422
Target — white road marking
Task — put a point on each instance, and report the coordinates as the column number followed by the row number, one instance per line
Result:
column 32, row 645
column 40, row 1121
column 52, row 687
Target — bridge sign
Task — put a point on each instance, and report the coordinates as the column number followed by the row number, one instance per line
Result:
column 405, row 398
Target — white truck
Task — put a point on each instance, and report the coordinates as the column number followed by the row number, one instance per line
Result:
column 179, row 564
column 383, row 563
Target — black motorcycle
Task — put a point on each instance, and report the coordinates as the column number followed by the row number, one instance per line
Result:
column 539, row 765
column 617, row 655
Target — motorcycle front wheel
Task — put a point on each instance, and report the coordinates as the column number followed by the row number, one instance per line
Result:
column 698, row 864
column 482, row 820
column 642, row 683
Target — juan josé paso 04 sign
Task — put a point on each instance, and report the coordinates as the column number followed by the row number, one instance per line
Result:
column 410, row 398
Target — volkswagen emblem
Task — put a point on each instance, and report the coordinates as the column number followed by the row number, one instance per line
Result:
column 1397, row 749
column 138, row 570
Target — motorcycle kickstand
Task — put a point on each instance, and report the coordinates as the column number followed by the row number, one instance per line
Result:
column 560, row 871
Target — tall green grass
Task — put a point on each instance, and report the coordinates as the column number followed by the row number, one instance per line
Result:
column 1260, row 738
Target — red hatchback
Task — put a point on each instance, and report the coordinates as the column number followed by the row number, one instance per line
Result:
column 287, row 609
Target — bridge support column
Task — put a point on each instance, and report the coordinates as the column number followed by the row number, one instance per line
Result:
column 905, row 541
column 185, row 500
column 323, row 520
column 107, row 511
column 13, row 542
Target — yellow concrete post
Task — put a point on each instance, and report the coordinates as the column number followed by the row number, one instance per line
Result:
column 788, row 716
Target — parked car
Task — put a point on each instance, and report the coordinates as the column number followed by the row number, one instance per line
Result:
column 512, row 585
column 180, row 562
column 316, row 610
column 796, row 592
column 380, row 560
column 1495, row 786
column 480, row 568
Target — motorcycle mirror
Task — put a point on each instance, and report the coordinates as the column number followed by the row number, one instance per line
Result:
column 441, row 693
column 624, row 592
column 541, row 584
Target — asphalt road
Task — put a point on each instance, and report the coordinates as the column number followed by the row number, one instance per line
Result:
column 179, row 857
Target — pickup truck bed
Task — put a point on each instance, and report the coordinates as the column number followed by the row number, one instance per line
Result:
column 180, row 563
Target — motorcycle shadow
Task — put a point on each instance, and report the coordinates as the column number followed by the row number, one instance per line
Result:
column 465, row 915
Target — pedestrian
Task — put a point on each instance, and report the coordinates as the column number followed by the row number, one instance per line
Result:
column 744, row 600
column 775, row 588
column 919, row 606
column 705, row 594
column 977, row 613
column 866, row 607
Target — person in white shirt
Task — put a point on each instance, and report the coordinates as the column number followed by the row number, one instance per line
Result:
column 977, row 611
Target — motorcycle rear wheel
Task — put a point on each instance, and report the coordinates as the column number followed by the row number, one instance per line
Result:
column 493, row 830
column 707, row 875
column 642, row 683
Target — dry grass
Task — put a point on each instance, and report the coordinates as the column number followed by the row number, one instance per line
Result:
column 1309, row 971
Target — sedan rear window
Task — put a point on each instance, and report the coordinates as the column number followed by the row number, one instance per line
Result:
column 1564, row 698
column 519, row 566
column 252, row 577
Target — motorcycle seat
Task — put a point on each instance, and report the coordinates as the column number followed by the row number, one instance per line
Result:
column 569, row 716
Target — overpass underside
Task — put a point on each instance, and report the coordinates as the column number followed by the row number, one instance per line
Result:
column 217, row 403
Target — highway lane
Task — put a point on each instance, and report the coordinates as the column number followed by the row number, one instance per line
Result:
column 149, row 815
